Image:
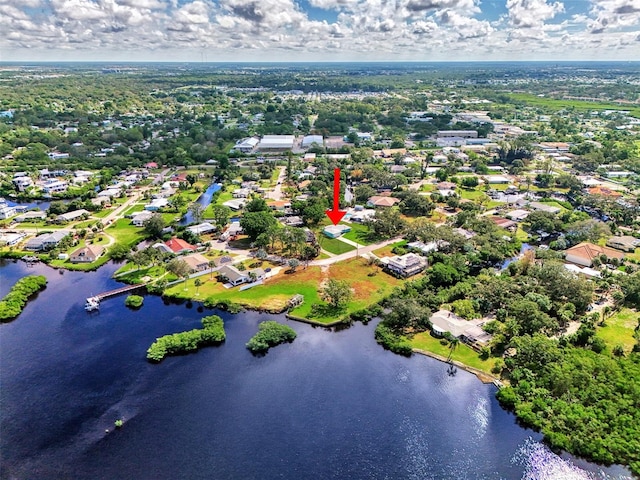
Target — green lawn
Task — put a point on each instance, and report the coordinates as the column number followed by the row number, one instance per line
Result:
column 368, row 283
column 102, row 213
column 634, row 256
column 333, row 245
column 618, row 329
column 462, row 353
column 125, row 233
column 472, row 194
column 387, row 251
column 136, row 207
column 359, row 234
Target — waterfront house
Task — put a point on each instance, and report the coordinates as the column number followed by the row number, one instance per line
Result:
column 87, row 254
column 236, row 277
column 469, row 331
column 46, row 241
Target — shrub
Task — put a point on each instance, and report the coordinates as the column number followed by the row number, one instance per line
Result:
column 270, row 334
column 390, row 341
column 134, row 301
column 211, row 333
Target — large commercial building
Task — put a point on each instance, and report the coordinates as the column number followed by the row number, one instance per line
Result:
column 276, row 142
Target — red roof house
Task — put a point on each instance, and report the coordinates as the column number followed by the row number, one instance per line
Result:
column 177, row 245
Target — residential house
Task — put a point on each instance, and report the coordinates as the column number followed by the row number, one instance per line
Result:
column 46, row 241
column 469, row 331
column 241, row 193
column 382, row 201
column 517, row 215
column 405, row 265
column 54, row 186
column 22, row 182
column 31, row 215
column 70, row 216
column 584, row 253
column 139, row 218
column 156, row 204
column 626, row 243
column 504, row 223
column 177, row 246
column 196, row 262
column 424, row 247
column 87, row 254
column 6, row 211
column 201, row 228
column 236, row 277
column 334, row 231
column 11, row 239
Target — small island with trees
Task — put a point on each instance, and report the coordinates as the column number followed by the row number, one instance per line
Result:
column 11, row 306
column 134, row 301
column 211, row 333
column 270, row 334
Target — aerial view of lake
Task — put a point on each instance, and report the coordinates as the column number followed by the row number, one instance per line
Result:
column 332, row 404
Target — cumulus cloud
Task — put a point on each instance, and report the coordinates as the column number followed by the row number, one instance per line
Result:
column 532, row 13
column 282, row 29
column 614, row 14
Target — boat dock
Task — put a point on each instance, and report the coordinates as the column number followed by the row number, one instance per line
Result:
column 93, row 303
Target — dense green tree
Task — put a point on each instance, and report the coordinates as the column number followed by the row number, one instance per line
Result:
column 256, row 223
column 336, row 293
column 154, row 226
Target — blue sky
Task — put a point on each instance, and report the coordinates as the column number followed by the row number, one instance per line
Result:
column 319, row 30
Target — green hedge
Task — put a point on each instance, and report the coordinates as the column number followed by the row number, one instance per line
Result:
column 389, row 340
column 11, row 306
column 270, row 334
column 211, row 333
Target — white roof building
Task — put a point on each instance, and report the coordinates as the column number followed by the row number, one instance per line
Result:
column 309, row 140
column 276, row 142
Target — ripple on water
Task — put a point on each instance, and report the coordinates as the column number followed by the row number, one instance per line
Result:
column 540, row 463
column 479, row 412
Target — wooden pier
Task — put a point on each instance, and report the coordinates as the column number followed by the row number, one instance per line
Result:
column 118, row 291
column 94, row 301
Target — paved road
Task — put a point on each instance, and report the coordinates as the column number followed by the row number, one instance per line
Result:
column 354, row 253
column 277, row 191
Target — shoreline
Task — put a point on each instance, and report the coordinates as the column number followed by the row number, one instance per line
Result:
column 482, row 376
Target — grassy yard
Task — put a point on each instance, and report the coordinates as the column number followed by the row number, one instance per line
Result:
column 618, row 329
column 333, row 245
column 462, row 353
column 136, row 207
column 475, row 195
column 386, row 251
column 277, row 291
column 634, row 256
column 359, row 234
column 125, row 233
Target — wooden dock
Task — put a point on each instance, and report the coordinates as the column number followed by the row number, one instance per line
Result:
column 111, row 293
column 118, row 291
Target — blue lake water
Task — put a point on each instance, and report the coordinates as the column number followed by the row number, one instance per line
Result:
column 204, row 200
column 332, row 404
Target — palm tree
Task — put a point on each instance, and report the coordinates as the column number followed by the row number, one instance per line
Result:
column 197, row 284
column 453, row 344
column 211, row 264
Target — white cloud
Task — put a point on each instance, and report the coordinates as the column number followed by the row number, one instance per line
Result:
column 532, row 13
column 614, row 14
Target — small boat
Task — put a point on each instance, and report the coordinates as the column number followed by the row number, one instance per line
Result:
column 93, row 303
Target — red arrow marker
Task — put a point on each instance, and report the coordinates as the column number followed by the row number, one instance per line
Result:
column 336, row 214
